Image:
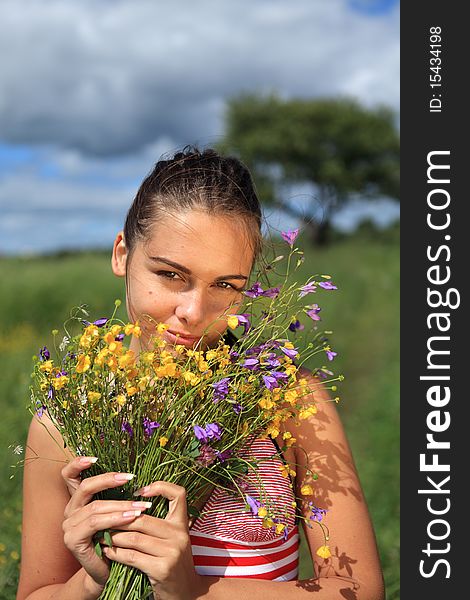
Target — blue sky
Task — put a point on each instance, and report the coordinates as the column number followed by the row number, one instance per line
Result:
column 94, row 92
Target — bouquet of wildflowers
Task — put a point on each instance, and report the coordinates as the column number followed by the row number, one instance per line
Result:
column 182, row 414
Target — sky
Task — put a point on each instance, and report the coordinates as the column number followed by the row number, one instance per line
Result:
column 93, row 92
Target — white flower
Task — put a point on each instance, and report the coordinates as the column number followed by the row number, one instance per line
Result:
column 64, row 343
column 18, row 449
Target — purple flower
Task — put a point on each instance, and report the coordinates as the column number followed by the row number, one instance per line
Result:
column 220, row 389
column 296, row 325
column 327, row 285
column 253, row 504
column 44, row 353
column 50, row 393
column 100, row 322
column 255, row 290
column 270, row 381
column 313, row 312
column 244, row 320
column 127, row 428
column 222, row 456
column 238, row 408
column 41, row 409
column 214, row 431
column 119, row 337
column 323, row 373
column 272, row 360
column 290, row 352
column 233, row 356
column 206, row 456
column 286, row 532
column 251, row 363
column 307, row 289
column 317, row 513
column 331, row 355
column 272, row 292
column 200, row 433
column 149, row 427
column 290, row 236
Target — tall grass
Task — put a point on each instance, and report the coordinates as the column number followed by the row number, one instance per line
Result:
column 37, row 294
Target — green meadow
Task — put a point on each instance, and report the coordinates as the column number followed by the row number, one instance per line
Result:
column 38, row 292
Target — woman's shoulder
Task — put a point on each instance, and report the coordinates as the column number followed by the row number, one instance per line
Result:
column 45, row 440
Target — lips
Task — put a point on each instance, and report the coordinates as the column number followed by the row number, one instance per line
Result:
column 177, row 337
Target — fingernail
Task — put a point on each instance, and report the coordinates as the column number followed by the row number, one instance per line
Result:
column 88, row 460
column 142, row 505
column 123, row 477
column 142, row 491
column 131, row 513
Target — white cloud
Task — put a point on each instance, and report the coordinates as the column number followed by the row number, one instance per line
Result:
column 112, row 77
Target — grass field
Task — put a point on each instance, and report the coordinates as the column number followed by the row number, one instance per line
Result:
column 364, row 315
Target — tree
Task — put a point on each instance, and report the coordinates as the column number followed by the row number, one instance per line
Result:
column 337, row 144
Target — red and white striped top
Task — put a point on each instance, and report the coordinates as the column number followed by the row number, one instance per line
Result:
column 230, row 541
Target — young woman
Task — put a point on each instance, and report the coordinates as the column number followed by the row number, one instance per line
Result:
column 191, row 238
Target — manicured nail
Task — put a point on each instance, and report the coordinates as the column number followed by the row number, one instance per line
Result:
column 142, row 491
column 121, row 477
column 131, row 513
column 142, row 505
column 88, row 460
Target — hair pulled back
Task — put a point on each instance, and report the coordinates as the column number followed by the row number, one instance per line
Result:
column 192, row 179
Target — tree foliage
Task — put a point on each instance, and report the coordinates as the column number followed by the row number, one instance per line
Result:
column 337, row 144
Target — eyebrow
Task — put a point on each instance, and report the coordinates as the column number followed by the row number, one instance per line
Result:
column 175, row 265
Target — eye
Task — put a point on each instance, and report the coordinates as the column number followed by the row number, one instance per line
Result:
column 168, row 274
column 225, row 285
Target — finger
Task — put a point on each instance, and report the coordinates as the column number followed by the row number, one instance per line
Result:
column 98, row 483
column 128, row 556
column 71, row 471
column 141, row 542
column 87, row 528
column 99, row 507
column 163, row 529
column 176, row 494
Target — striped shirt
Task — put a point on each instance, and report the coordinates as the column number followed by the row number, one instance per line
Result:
column 230, row 541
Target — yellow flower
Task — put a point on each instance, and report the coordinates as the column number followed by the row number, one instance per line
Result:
column 99, row 360
column 131, row 389
column 211, row 354
column 232, row 321
column 267, row 522
column 290, row 369
column 46, row 366
column 289, row 345
column 133, row 329
column 163, row 441
column 266, row 403
column 191, row 378
column 115, row 347
column 273, row 431
column 83, row 363
column 89, row 336
column 306, row 412
column 59, row 382
column 127, row 359
column 121, row 399
column 161, row 327
column 306, row 490
column 262, row 512
column 324, row 552
column 147, row 357
column 14, row 555
column 93, row 396
column 143, row 382
column 280, row 527
column 290, row 442
column 112, row 363
column 290, row 396
column 286, row 470
column 65, row 404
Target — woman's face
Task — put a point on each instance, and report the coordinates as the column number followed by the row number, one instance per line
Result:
column 189, row 274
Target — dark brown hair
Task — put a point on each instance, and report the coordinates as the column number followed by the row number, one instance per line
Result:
column 192, row 179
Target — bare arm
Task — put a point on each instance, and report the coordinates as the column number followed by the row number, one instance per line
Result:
column 48, row 570
column 353, row 571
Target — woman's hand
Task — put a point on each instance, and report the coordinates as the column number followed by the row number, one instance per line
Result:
column 83, row 517
column 161, row 548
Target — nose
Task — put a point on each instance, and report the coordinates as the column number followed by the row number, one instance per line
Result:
column 190, row 308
